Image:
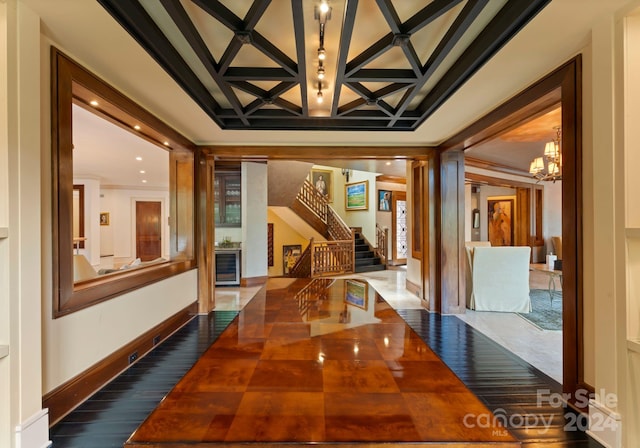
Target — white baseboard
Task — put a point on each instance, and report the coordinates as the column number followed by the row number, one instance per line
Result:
column 605, row 425
column 34, row 432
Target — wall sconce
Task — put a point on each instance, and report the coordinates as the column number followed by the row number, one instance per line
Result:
column 346, row 173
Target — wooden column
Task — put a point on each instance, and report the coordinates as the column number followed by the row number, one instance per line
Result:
column 205, row 226
column 451, row 231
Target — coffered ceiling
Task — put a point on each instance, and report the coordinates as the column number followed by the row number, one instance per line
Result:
column 253, row 64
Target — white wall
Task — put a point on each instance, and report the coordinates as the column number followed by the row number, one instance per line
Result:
column 77, row 341
column 119, row 237
column 254, row 219
column 21, row 254
column 552, row 213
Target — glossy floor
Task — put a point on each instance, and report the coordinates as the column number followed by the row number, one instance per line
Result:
column 504, row 382
column 319, row 361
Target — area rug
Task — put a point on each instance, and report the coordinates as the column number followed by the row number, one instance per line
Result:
column 545, row 314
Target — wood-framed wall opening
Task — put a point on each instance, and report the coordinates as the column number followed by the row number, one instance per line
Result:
column 563, row 86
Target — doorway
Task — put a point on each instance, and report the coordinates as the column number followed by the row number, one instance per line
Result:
column 399, row 226
column 148, row 230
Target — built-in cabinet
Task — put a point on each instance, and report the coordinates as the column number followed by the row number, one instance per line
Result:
column 228, row 204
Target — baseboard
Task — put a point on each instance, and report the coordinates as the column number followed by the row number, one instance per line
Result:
column 34, row 432
column 605, row 425
column 413, row 288
column 68, row 396
column 253, row 281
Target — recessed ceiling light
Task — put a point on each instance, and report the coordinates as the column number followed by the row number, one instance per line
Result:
column 166, row 143
column 137, row 127
column 142, row 171
column 144, row 181
column 388, row 163
column 138, row 158
column 93, row 103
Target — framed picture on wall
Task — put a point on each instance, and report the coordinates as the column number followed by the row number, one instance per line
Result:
column 384, row 200
column 356, row 196
column 290, row 255
column 500, row 220
column 104, row 219
column 323, row 181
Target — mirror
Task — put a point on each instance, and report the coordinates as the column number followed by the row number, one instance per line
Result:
column 93, row 125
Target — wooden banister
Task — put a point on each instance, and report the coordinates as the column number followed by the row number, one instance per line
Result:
column 382, row 246
column 314, row 200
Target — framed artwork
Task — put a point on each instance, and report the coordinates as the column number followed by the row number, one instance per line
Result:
column 323, row 181
column 104, row 219
column 500, row 220
column 356, row 293
column 290, row 255
column 357, row 196
column 384, row 200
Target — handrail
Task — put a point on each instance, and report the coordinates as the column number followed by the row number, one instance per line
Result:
column 382, row 246
column 302, row 268
column 314, row 200
column 336, row 227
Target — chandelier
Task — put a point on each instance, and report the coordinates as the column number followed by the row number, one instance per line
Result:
column 549, row 166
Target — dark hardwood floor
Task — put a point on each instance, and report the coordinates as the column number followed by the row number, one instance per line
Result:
column 504, row 383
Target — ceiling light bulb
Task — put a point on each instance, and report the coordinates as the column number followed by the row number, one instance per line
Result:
column 138, row 158
column 321, row 54
column 320, row 96
column 166, row 143
column 144, row 181
column 142, row 171
column 320, row 72
column 93, row 103
column 324, row 7
column 137, row 127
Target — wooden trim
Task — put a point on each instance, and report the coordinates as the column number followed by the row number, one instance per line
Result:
column 72, row 84
column 563, row 86
column 317, row 152
column 391, row 179
column 68, row 396
column 253, row 281
column 493, row 166
column 497, row 181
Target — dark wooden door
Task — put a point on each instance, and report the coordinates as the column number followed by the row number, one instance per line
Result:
column 148, row 230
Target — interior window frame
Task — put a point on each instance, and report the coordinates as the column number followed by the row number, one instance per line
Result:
column 72, row 84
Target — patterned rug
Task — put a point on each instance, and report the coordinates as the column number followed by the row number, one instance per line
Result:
column 546, row 315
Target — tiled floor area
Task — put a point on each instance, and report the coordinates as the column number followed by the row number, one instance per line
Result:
column 112, row 415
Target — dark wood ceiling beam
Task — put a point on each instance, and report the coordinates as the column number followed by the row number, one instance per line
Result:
column 383, row 45
column 343, row 53
column 351, row 106
column 507, row 22
column 288, row 105
column 428, row 14
column 393, row 20
column 221, row 13
column 249, row 88
column 258, row 74
column 274, row 53
column 383, row 75
column 298, row 29
column 133, row 18
column 458, row 28
column 187, row 28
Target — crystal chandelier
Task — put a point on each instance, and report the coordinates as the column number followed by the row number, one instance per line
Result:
column 549, row 166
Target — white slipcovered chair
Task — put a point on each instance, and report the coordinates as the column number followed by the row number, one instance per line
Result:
column 500, row 279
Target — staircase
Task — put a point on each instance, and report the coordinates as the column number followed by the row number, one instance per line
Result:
column 365, row 257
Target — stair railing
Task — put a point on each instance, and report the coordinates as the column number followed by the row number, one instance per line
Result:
column 336, row 227
column 382, row 239
column 332, row 257
column 302, row 268
column 314, row 200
